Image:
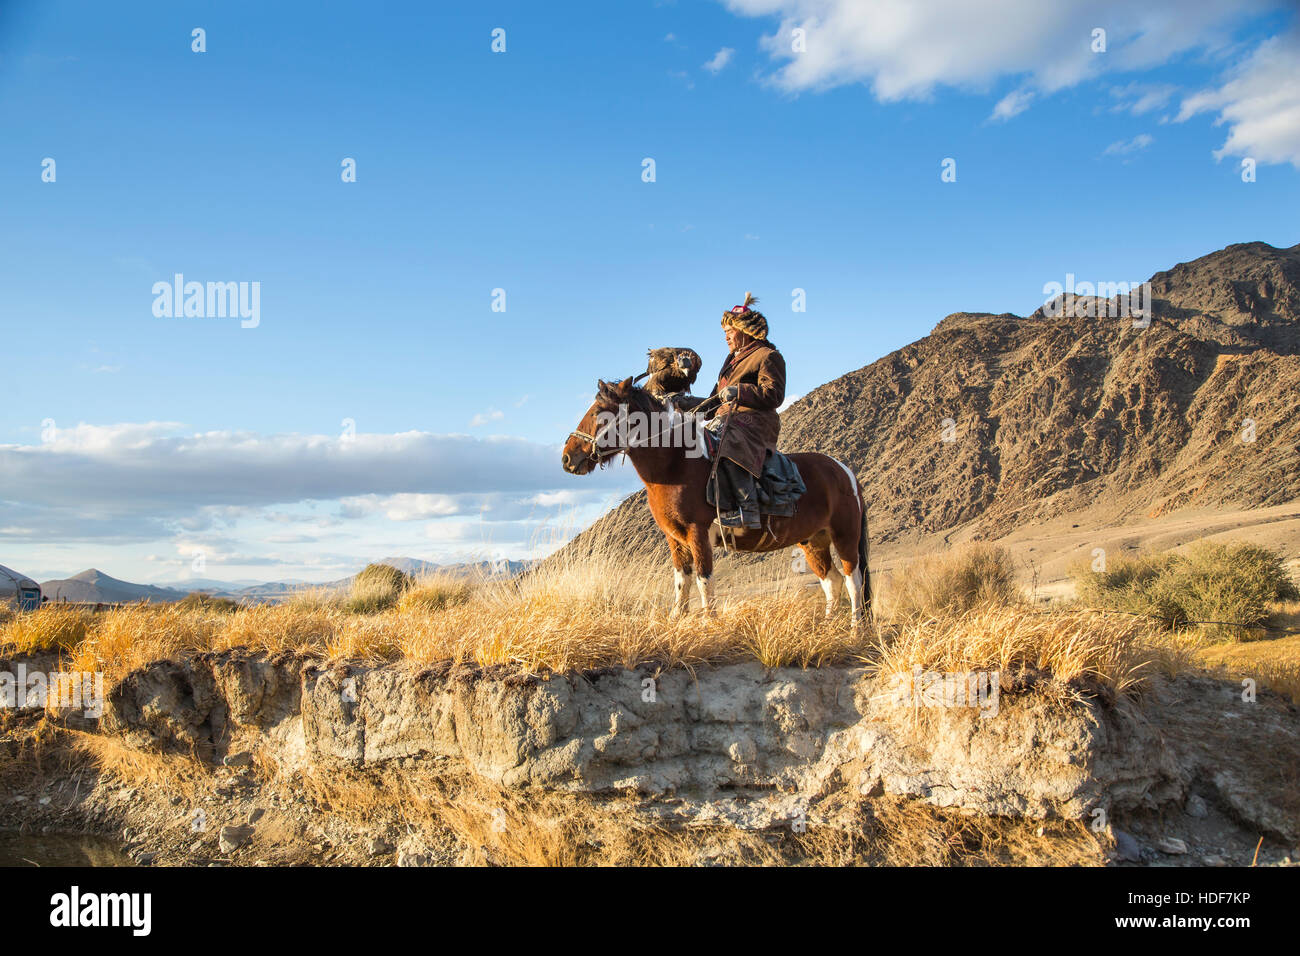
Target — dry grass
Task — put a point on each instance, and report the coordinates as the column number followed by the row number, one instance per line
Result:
column 1274, row 664
column 953, row 582
column 1117, row 652
column 954, row 613
column 51, row 628
column 435, row 592
column 474, row 822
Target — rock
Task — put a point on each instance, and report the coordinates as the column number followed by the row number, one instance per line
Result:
column 1196, row 808
column 1127, row 848
column 241, row 759
column 1213, row 859
column 1171, row 846
column 232, row 838
column 256, row 814
column 407, row 858
column 377, row 846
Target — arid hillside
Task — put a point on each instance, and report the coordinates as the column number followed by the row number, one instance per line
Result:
column 992, row 422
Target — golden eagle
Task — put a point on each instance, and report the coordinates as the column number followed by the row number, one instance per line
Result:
column 671, row 370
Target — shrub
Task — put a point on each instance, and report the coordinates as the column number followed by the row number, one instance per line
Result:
column 954, row 582
column 1232, row 584
column 198, row 601
column 377, row 588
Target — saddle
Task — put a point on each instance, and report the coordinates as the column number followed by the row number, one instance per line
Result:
column 780, row 486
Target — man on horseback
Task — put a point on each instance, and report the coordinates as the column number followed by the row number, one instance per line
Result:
column 751, row 386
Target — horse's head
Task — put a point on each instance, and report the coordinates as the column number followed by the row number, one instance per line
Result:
column 593, row 442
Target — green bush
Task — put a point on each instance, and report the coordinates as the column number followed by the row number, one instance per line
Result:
column 1234, row 584
column 198, row 601
column 377, row 588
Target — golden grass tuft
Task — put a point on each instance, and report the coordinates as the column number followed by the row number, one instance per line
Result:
column 53, row 627
column 953, row 582
column 1117, row 652
column 435, row 592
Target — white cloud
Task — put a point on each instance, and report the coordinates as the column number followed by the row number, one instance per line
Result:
column 98, row 495
column 482, row 418
column 142, row 469
column 1125, row 146
column 905, row 49
column 720, row 60
column 551, row 499
column 409, row 507
column 1140, row 98
column 1260, row 104
column 1013, row 104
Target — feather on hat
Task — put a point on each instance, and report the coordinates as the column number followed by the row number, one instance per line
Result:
column 746, row 319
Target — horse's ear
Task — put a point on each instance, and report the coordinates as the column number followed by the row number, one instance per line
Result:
column 625, row 385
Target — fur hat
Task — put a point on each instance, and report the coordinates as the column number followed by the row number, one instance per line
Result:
column 746, row 319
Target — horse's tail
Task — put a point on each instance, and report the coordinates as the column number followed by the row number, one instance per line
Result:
column 864, row 555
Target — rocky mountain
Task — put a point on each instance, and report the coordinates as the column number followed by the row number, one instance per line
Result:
column 93, row 586
column 416, row 567
column 995, row 421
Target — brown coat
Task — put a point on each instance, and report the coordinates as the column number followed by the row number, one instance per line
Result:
column 759, row 371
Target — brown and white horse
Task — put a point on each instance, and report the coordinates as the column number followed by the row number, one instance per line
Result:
column 832, row 512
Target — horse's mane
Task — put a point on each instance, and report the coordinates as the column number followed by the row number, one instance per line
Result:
column 640, row 400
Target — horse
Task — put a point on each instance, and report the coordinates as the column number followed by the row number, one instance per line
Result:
column 832, row 512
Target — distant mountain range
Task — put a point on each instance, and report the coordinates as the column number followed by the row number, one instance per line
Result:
column 93, row 586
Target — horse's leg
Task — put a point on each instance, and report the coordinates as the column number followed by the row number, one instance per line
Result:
column 702, row 550
column 846, row 531
column 853, row 580
column 817, row 551
column 682, row 570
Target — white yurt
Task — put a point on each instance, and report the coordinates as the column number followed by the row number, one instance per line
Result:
column 18, row 592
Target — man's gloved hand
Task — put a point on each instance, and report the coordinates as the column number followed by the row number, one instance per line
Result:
column 729, row 394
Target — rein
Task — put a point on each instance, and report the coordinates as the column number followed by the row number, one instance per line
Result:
column 601, row 457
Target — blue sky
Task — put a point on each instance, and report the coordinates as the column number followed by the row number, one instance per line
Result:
column 154, row 446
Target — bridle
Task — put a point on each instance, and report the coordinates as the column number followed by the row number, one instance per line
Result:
column 597, row 456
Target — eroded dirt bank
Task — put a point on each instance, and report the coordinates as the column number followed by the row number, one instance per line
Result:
column 398, row 764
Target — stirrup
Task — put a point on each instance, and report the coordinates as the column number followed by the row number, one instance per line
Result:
column 731, row 519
